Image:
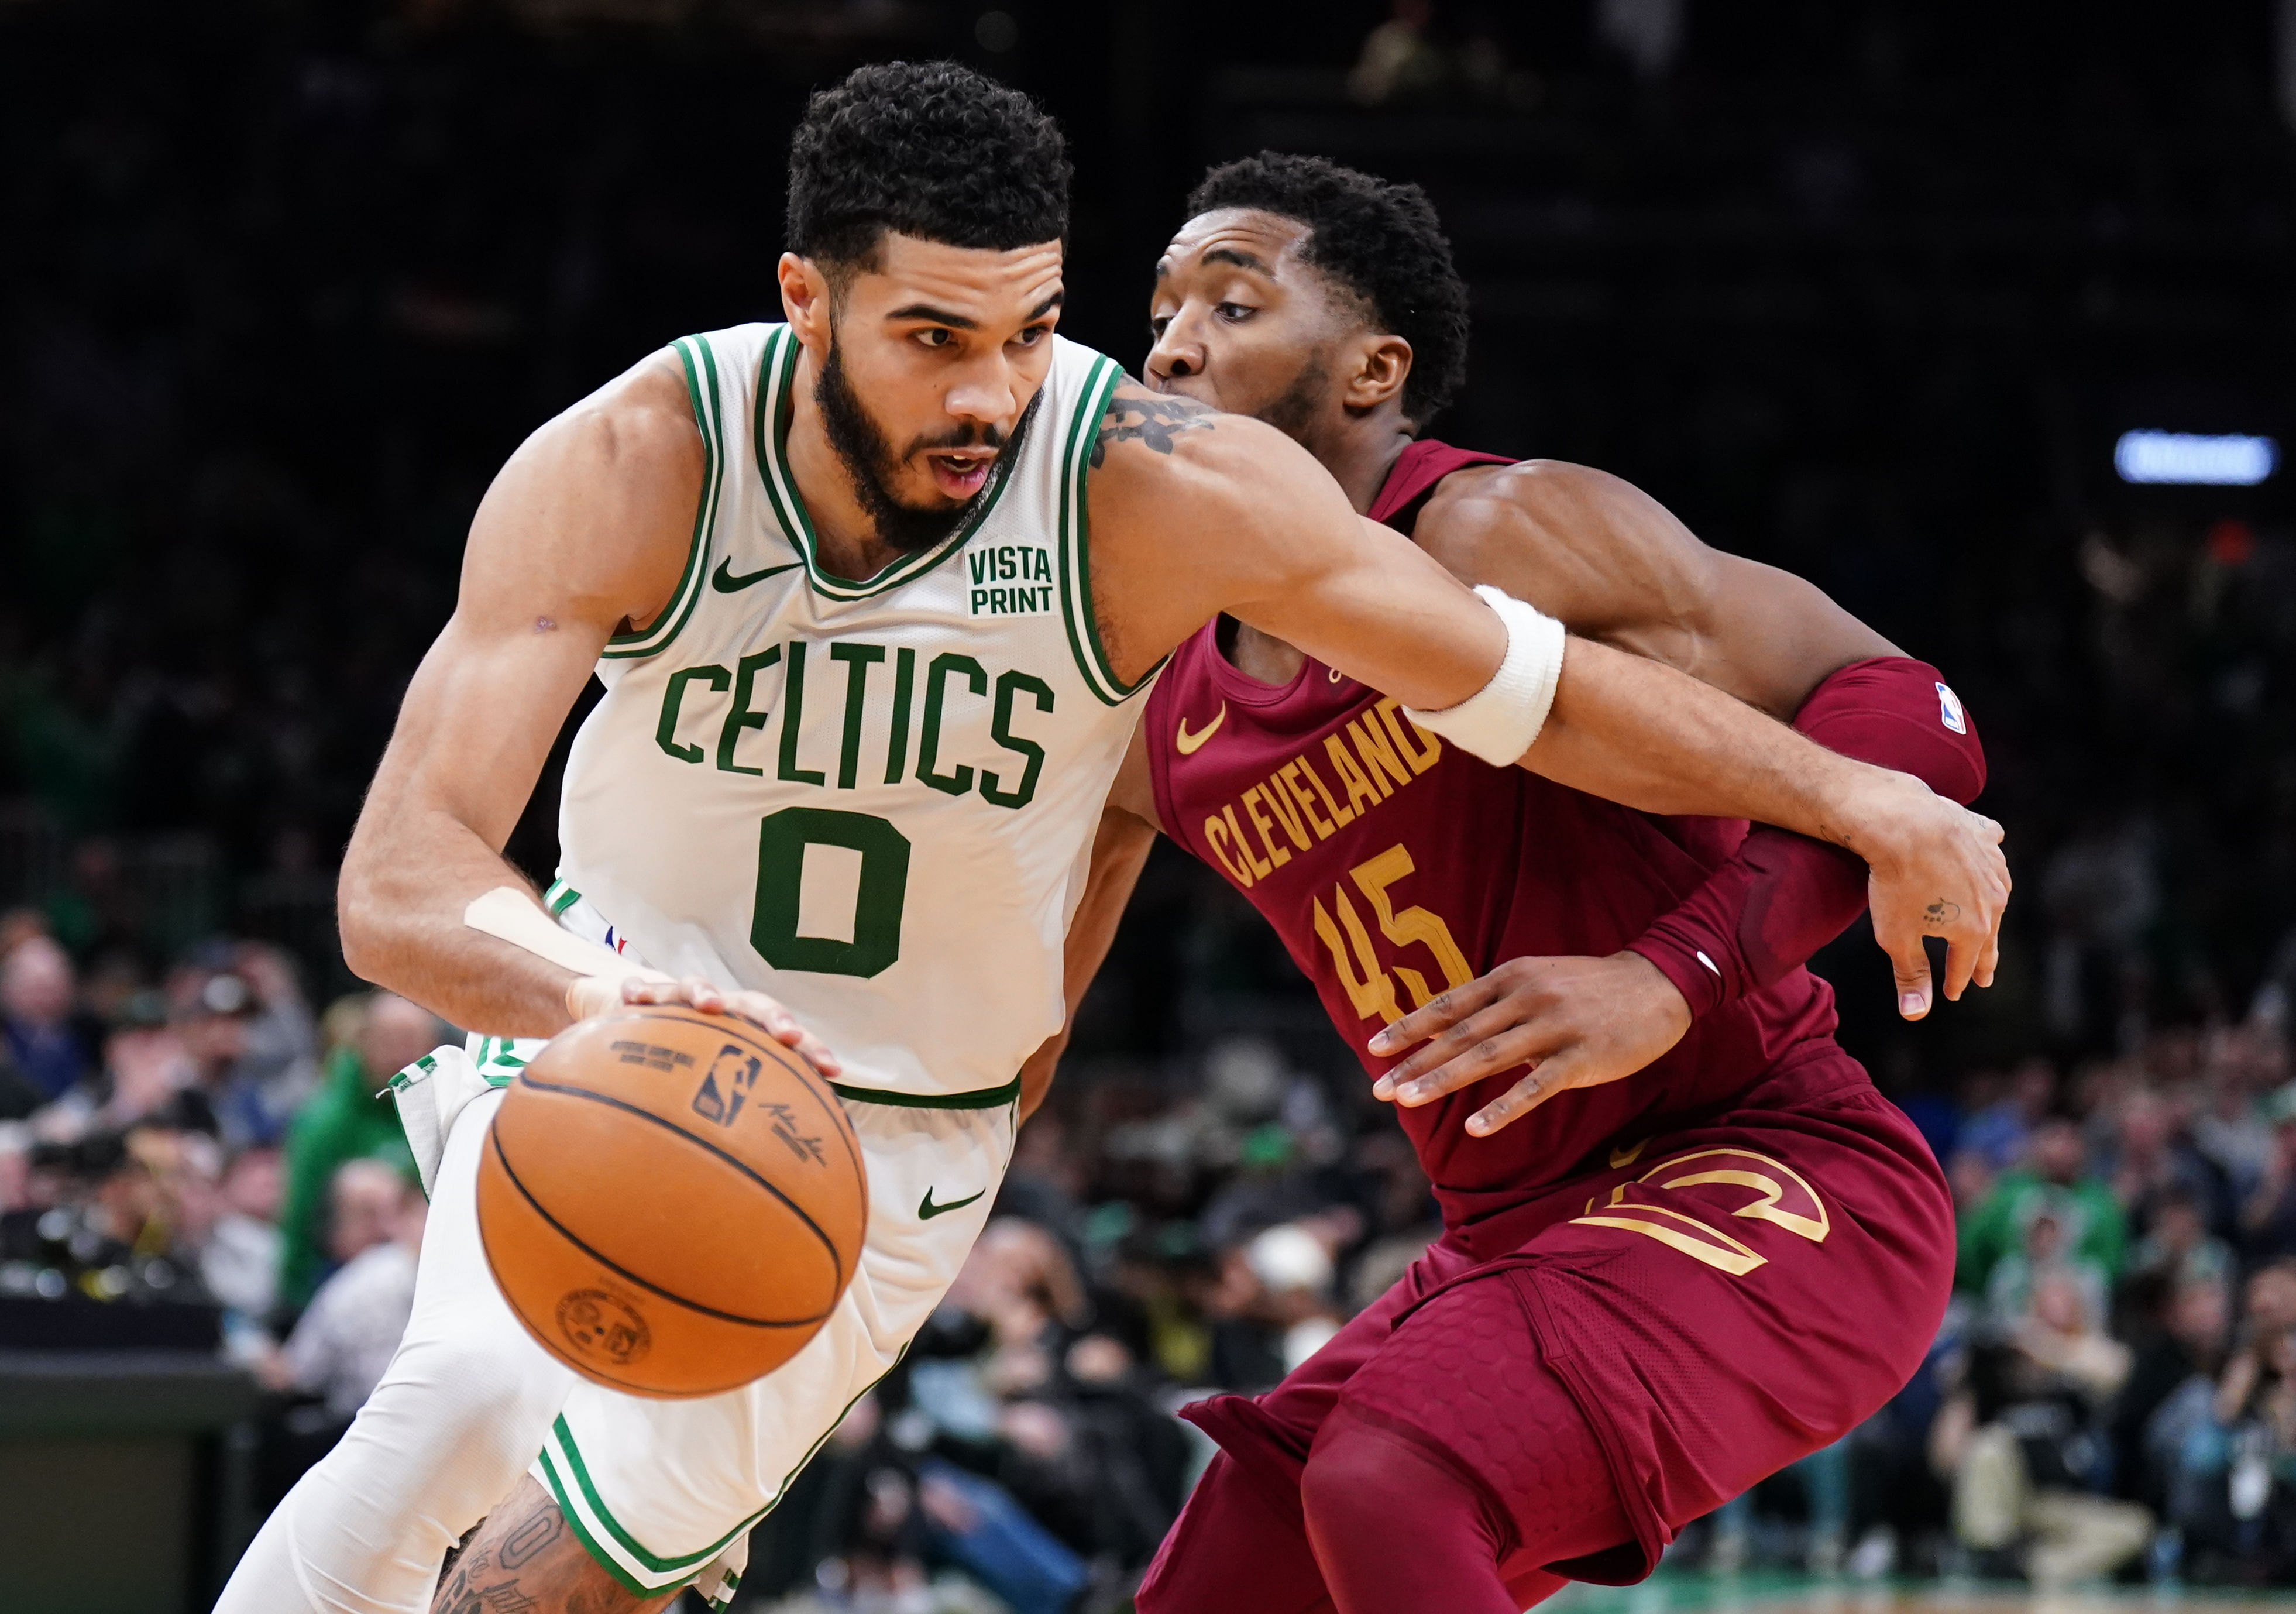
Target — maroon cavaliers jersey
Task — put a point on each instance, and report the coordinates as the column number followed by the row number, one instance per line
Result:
column 1395, row 865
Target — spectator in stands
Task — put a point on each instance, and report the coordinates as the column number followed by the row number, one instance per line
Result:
column 2055, row 1175
column 350, row 1118
column 2017, row 1441
column 346, row 1336
column 2268, row 1218
column 2152, row 1161
column 1999, row 1133
column 46, row 1042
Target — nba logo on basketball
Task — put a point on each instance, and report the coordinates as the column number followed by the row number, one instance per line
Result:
column 727, row 1088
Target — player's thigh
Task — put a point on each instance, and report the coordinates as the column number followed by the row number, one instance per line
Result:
column 1463, row 1381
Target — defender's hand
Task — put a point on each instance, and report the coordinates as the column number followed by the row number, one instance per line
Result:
column 596, row 994
column 1937, row 869
column 1578, row 1023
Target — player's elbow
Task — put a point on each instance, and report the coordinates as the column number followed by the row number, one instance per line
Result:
column 358, row 910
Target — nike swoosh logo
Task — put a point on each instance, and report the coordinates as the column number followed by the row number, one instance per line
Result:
column 927, row 1210
column 1188, row 743
column 1627, row 1157
column 725, row 583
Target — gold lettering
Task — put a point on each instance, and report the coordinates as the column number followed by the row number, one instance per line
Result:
column 1276, row 856
column 1380, row 760
column 1368, row 989
column 1274, row 797
column 1361, row 797
column 1411, row 925
column 1215, row 838
column 1260, row 870
column 1341, row 816
column 1399, row 724
column 1288, row 776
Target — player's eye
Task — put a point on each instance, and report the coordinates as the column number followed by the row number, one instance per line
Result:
column 936, row 336
column 1034, row 334
column 1158, row 327
column 1233, row 313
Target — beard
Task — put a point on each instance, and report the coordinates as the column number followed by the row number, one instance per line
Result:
column 870, row 463
column 1294, row 410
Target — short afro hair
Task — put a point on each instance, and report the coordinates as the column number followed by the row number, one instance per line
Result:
column 928, row 148
column 1380, row 240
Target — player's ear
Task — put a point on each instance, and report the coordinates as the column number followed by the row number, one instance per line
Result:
column 1381, row 364
column 805, row 300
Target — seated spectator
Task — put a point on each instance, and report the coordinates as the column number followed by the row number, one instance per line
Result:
column 239, row 1243
column 2180, row 1247
column 46, row 1042
column 2267, row 1221
column 2056, row 1171
column 2045, row 1251
column 2150, row 1161
column 146, row 1077
column 2000, row 1132
column 347, row 1334
column 350, row 1118
column 2016, row 1441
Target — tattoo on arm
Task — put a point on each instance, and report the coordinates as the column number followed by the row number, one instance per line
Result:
column 1136, row 414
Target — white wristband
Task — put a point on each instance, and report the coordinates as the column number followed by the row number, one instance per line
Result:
column 1498, row 721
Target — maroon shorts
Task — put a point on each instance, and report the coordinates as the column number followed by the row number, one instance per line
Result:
column 1719, row 1301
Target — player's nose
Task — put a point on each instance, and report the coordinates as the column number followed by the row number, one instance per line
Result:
column 1174, row 355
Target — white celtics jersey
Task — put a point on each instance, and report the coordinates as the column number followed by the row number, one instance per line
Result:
column 875, row 800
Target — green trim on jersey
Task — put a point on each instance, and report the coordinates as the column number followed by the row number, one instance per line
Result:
column 776, row 369
column 560, row 897
column 1076, row 542
column 707, row 413
column 664, row 1566
column 980, row 1098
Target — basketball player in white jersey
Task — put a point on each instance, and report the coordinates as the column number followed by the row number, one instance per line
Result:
column 874, row 594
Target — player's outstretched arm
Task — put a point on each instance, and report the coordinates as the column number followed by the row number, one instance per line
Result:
column 1614, row 565
column 585, row 531
column 1195, row 513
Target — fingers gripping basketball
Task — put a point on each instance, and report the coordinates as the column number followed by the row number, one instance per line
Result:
column 671, row 1201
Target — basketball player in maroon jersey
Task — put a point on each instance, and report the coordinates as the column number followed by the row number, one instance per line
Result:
column 1685, row 1240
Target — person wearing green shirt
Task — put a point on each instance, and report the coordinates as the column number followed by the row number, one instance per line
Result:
column 350, row 1118
column 2054, row 1176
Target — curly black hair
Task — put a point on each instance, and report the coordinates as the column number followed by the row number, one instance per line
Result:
column 1380, row 241
column 928, row 148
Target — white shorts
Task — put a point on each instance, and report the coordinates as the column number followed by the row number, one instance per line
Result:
column 657, row 1489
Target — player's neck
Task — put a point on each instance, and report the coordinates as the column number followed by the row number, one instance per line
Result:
column 1360, row 450
column 845, row 538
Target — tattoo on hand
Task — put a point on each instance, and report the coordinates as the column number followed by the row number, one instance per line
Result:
column 1941, row 912
column 1155, row 419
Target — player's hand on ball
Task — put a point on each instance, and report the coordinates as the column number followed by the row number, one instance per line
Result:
column 596, row 994
column 1937, row 869
column 1577, row 1022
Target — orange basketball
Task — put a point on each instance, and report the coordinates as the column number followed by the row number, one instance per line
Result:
column 672, row 1201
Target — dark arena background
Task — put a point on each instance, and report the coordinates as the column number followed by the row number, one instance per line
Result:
column 1900, row 297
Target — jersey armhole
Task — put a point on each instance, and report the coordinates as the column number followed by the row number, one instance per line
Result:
column 1156, row 724
column 1075, row 532
column 701, row 365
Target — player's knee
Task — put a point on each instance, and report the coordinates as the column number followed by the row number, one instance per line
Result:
column 449, row 1394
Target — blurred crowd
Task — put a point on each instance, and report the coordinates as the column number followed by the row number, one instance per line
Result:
column 2113, row 1392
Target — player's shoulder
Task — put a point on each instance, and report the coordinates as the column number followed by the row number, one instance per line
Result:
column 640, row 424
column 1489, row 523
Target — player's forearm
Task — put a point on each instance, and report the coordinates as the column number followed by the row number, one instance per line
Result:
column 1782, row 896
column 1652, row 738
column 400, row 906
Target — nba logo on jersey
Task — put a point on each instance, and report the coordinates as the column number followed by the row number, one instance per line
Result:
column 1949, row 712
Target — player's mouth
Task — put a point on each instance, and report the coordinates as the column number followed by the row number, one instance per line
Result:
column 960, row 472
